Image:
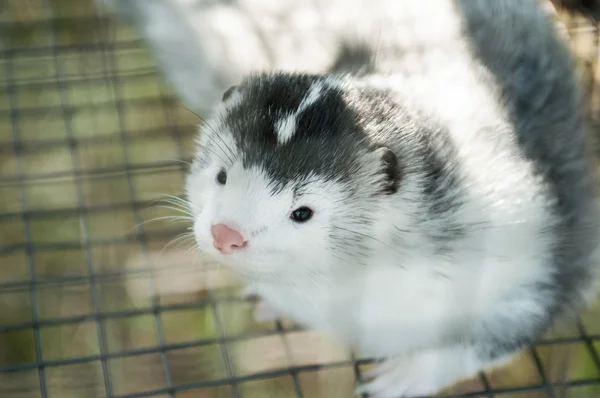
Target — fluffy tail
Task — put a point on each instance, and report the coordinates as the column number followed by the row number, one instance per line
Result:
column 533, row 68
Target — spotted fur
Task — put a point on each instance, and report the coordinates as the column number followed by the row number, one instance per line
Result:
column 455, row 212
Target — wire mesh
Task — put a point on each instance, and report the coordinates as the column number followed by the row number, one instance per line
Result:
column 91, row 302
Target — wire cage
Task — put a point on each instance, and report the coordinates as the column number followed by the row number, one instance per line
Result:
column 93, row 304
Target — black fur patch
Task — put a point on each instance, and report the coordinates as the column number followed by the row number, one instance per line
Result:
column 327, row 140
column 228, row 93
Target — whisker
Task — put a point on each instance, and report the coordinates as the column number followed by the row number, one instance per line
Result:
column 188, row 239
column 218, row 269
column 179, row 161
column 196, row 259
column 207, row 148
column 176, row 199
column 181, row 237
column 214, row 131
column 178, row 204
column 218, row 143
column 173, row 202
column 173, row 219
column 302, row 296
column 366, row 236
column 319, row 277
column 188, row 250
column 185, row 212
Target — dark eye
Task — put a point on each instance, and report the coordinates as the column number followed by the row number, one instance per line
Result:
column 222, row 177
column 301, row 214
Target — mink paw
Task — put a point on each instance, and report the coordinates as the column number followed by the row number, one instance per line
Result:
column 418, row 375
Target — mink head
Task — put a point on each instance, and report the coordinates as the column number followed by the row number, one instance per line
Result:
column 288, row 181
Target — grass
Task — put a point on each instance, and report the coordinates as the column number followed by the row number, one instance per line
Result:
column 107, row 110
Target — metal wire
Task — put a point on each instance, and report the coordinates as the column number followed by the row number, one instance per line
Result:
column 95, row 276
column 10, row 91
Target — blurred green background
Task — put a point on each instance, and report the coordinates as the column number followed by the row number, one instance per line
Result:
column 90, row 139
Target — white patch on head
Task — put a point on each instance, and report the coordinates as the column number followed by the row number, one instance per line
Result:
column 313, row 95
column 286, row 127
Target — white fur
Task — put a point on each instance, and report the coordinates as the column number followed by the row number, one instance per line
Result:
column 286, row 127
column 312, row 96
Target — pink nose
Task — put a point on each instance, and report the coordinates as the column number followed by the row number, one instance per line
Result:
column 227, row 239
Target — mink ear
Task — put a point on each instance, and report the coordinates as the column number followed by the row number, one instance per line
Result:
column 227, row 94
column 391, row 168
